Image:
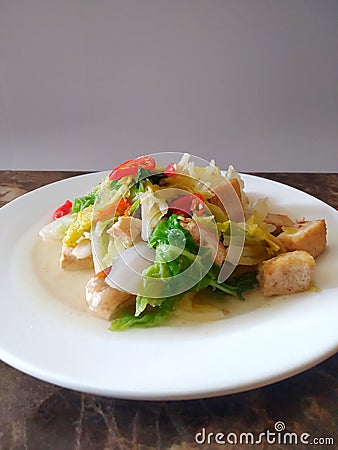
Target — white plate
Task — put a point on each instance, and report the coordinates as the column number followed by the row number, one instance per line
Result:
column 60, row 344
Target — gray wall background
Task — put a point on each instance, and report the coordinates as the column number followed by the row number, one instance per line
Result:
column 86, row 84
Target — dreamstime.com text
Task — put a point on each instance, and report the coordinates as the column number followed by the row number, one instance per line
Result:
column 278, row 435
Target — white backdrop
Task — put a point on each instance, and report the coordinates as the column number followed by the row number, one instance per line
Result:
column 85, row 84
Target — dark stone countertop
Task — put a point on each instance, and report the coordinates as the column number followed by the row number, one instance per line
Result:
column 36, row 415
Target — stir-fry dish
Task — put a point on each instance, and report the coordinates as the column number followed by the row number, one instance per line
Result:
column 160, row 238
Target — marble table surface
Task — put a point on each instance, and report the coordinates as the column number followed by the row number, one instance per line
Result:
column 36, row 415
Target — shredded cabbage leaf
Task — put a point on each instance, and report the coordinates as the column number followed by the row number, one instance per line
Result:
column 257, row 232
column 82, row 224
column 57, row 229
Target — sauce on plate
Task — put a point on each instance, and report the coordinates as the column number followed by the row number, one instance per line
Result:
column 68, row 286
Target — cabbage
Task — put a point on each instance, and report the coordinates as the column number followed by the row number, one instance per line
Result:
column 105, row 248
column 81, row 224
column 106, row 195
column 259, row 243
column 210, row 175
column 57, row 229
column 152, row 318
column 153, row 208
column 257, row 232
column 217, row 212
column 231, row 174
column 259, row 208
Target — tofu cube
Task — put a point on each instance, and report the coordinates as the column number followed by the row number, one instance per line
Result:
column 286, row 273
column 76, row 258
column 308, row 236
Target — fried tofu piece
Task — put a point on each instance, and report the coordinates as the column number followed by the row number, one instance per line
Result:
column 287, row 273
column 279, row 221
column 127, row 230
column 225, row 197
column 224, row 190
column 309, row 236
column 78, row 257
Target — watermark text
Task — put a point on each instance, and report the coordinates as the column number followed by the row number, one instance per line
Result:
column 278, row 435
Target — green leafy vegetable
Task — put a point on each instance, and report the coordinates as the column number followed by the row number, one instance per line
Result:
column 149, row 318
column 142, row 174
column 164, row 233
column 175, row 252
column 145, row 174
column 256, row 232
column 141, row 177
column 234, row 286
column 134, row 206
column 83, row 202
column 115, row 185
column 171, row 243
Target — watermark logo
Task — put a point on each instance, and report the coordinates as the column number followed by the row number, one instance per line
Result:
column 279, row 426
column 126, row 236
column 278, row 435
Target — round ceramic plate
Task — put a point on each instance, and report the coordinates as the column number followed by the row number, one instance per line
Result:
column 62, row 344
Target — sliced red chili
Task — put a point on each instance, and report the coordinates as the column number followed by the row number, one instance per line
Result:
column 197, row 205
column 188, row 205
column 63, row 210
column 131, row 167
column 170, row 170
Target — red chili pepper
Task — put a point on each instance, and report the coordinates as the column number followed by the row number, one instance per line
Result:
column 63, row 210
column 170, row 170
column 197, row 204
column 131, row 167
column 188, row 205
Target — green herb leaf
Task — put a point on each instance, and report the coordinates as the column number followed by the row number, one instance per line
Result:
column 175, row 252
column 145, row 174
column 115, row 185
column 234, row 286
column 142, row 174
column 83, row 202
column 149, row 318
column 162, row 234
